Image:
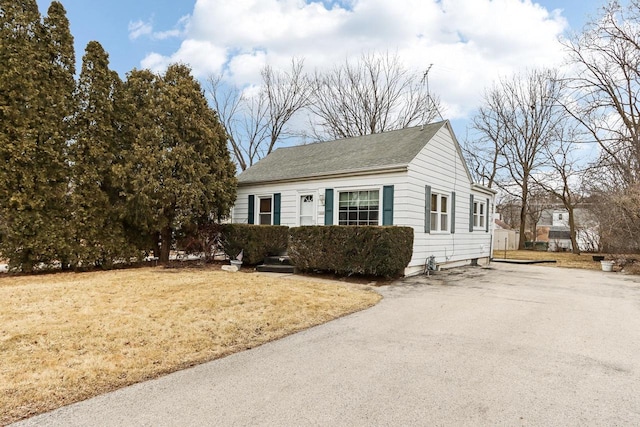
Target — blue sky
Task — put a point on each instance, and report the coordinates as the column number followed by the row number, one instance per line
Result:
column 470, row 42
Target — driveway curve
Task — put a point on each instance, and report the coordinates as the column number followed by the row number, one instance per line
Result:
column 508, row 345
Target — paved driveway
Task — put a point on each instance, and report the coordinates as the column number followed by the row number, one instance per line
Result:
column 511, row 345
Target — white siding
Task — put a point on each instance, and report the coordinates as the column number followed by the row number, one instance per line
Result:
column 438, row 165
column 291, row 192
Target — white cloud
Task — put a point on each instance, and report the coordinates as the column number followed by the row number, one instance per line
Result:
column 139, row 28
column 469, row 42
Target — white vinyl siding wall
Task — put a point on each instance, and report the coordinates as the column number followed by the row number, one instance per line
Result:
column 291, row 191
column 440, row 166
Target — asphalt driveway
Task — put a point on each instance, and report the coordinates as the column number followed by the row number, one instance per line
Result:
column 511, row 345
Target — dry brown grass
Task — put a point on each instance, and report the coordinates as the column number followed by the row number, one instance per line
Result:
column 569, row 260
column 67, row 337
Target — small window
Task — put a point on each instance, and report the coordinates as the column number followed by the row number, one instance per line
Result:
column 265, row 214
column 560, row 217
column 359, row 207
column 479, row 215
column 439, row 212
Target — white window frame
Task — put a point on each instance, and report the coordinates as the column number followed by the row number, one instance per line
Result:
column 336, row 203
column 437, row 213
column 314, row 217
column 258, row 212
column 479, row 215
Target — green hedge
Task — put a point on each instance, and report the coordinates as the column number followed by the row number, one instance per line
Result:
column 257, row 241
column 346, row 250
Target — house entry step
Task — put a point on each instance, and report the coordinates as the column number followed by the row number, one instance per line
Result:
column 277, row 260
column 275, row 268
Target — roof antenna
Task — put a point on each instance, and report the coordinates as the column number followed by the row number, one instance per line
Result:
column 425, row 80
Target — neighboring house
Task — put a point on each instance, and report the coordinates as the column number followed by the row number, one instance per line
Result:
column 412, row 177
column 558, row 233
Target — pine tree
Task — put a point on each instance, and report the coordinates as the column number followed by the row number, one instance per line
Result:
column 60, row 86
column 100, row 237
column 180, row 165
column 33, row 176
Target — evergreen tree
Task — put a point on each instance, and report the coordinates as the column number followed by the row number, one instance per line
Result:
column 61, row 107
column 33, row 177
column 100, row 237
column 180, row 166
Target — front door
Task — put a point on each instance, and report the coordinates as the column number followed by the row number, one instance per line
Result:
column 307, row 210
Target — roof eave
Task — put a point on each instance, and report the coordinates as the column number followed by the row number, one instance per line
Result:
column 484, row 189
column 340, row 174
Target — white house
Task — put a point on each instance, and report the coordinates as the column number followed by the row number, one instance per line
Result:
column 414, row 177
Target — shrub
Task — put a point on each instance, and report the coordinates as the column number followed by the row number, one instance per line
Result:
column 257, row 241
column 346, row 250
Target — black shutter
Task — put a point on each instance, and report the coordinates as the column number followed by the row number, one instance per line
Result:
column 328, row 206
column 471, row 212
column 276, row 209
column 387, row 205
column 486, row 215
column 251, row 214
column 427, row 209
column 453, row 212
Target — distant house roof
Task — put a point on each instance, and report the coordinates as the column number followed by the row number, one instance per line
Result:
column 351, row 155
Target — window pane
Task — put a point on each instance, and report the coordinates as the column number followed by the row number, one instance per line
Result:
column 475, row 208
column 434, row 203
column 443, row 204
column 434, row 221
column 358, row 207
column 265, row 205
column 444, row 222
column 265, row 219
column 481, row 208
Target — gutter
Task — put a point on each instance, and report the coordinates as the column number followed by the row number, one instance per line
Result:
column 343, row 174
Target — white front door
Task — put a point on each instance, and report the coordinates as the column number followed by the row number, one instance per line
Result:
column 307, row 209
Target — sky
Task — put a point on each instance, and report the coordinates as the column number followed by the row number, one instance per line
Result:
column 467, row 43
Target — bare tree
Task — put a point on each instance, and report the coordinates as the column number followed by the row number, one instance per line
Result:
column 256, row 119
column 606, row 87
column 484, row 154
column 606, row 102
column 563, row 174
column 519, row 118
column 371, row 95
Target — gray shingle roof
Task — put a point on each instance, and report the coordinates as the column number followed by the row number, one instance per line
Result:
column 363, row 153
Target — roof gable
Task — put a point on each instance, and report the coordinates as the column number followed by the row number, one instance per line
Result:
column 350, row 155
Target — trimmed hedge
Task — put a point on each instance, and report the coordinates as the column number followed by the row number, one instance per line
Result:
column 346, row 250
column 257, row 241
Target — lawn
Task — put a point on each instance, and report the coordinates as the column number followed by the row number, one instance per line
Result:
column 66, row 337
column 569, row 260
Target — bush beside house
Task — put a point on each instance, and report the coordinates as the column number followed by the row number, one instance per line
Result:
column 256, row 241
column 380, row 251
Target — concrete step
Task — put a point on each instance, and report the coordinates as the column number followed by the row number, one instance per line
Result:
column 275, row 268
column 277, row 260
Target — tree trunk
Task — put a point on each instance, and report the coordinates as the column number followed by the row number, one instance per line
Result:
column 572, row 229
column 156, row 245
column 523, row 224
column 165, row 244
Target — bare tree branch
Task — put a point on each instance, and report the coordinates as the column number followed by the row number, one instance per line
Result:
column 371, row 95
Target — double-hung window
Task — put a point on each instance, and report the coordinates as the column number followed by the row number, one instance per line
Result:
column 265, row 213
column 439, row 212
column 479, row 214
column 359, row 207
